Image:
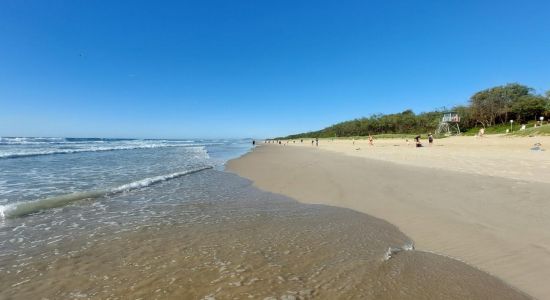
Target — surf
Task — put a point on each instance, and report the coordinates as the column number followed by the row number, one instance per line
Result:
column 21, row 209
column 95, row 149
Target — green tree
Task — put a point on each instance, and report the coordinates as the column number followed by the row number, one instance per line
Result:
column 486, row 107
column 494, row 104
column 467, row 119
column 547, row 112
column 529, row 107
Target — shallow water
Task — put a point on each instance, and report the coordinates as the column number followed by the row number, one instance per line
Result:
column 33, row 169
column 211, row 234
column 200, row 235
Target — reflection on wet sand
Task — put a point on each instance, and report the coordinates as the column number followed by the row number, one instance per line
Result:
column 213, row 236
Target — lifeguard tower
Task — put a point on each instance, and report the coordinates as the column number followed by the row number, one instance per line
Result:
column 449, row 124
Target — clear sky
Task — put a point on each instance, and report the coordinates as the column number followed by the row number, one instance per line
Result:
column 254, row 68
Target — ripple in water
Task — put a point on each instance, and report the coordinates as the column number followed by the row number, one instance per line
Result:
column 211, row 235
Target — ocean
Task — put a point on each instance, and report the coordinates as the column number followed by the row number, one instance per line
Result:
column 161, row 219
column 40, row 173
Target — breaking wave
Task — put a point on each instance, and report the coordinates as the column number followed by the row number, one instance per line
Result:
column 94, row 149
column 21, row 209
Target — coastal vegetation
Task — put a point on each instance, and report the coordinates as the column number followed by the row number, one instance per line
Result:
column 491, row 108
column 540, row 130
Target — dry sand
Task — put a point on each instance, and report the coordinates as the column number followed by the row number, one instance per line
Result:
column 483, row 201
column 492, row 155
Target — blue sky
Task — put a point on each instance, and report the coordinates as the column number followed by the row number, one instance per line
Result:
column 254, row 68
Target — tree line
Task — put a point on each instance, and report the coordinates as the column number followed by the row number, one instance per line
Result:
column 486, row 108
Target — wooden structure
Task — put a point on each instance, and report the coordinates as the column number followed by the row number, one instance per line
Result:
column 449, row 124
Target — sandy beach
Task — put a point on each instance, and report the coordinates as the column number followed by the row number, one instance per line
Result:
column 481, row 201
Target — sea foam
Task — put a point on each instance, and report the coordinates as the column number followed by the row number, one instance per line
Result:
column 394, row 250
column 20, row 209
column 91, row 149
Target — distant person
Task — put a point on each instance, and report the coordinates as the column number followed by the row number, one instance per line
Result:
column 371, row 140
column 253, row 142
column 312, row 141
column 417, row 140
column 302, row 140
column 537, row 147
column 279, row 142
column 430, row 139
column 317, row 142
column 481, row 132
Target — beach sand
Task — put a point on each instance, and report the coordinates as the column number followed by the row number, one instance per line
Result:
column 482, row 201
column 215, row 236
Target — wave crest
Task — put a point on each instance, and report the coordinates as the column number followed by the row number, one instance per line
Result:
column 21, row 209
column 95, row 149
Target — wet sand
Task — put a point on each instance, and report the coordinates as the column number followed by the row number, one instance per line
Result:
column 215, row 236
column 497, row 224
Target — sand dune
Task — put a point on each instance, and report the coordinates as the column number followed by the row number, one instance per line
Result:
column 485, row 202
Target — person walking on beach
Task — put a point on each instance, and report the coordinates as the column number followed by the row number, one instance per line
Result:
column 430, row 139
column 371, row 140
column 317, row 142
column 312, row 141
column 253, row 142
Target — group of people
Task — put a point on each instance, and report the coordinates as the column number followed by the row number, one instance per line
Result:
column 315, row 141
column 272, row 141
column 418, row 143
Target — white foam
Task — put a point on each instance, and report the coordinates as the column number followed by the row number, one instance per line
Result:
column 20, row 209
column 152, row 180
column 29, row 141
column 3, row 209
column 91, row 149
column 394, row 250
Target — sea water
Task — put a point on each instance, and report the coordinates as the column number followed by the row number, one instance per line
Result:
column 160, row 219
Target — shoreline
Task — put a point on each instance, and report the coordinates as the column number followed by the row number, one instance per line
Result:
column 495, row 224
column 230, row 240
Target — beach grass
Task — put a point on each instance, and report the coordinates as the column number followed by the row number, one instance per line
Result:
column 495, row 129
column 501, row 129
column 533, row 131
